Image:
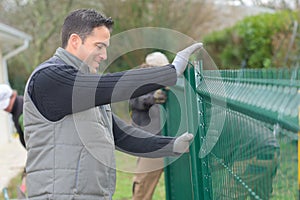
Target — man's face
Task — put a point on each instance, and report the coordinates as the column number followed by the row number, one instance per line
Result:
column 93, row 50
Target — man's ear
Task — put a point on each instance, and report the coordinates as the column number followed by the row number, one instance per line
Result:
column 74, row 41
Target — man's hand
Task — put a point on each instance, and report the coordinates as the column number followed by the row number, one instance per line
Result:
column 182, row 143
column 160, row 96
column 181, row 59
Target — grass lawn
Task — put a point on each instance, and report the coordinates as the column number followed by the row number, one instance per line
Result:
column 125, row 166
column 124, row 187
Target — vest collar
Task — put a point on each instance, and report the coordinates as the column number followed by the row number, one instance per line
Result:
column 71, row 60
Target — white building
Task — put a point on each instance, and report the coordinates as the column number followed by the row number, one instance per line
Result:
column 12, row 42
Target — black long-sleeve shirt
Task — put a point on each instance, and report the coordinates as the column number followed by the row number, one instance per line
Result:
column 60, row 90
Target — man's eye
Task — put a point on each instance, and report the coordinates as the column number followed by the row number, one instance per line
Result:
column 99, row 46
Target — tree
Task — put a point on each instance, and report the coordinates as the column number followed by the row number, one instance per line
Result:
column 187, row 17
column 42, row 20
column 260, row 41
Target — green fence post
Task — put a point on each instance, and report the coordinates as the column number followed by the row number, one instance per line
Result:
column 195, row 124
column 192, row 126
column 178, row 182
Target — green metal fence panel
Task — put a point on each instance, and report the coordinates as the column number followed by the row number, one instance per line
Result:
column 245, row 124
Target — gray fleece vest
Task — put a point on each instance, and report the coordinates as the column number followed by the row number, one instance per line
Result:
column 72, row 158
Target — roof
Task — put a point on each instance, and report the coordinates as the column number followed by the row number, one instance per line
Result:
column 10, row 38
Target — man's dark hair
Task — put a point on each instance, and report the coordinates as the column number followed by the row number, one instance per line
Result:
column 82, row 22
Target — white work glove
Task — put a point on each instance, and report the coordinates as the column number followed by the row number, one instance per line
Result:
column 181, row 59
column 182, row 143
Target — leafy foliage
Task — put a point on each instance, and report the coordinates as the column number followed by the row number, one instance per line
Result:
column 260, row 41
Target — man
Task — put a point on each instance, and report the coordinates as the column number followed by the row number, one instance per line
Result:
column 12, row 103
column 70, row 131
column 146, row 115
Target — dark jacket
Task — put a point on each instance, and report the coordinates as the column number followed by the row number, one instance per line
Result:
column 145, row 113
column 17, row 112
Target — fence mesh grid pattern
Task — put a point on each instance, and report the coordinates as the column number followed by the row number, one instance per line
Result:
column 246, row 134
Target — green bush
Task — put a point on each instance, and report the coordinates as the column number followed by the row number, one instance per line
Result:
column 255, row 42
